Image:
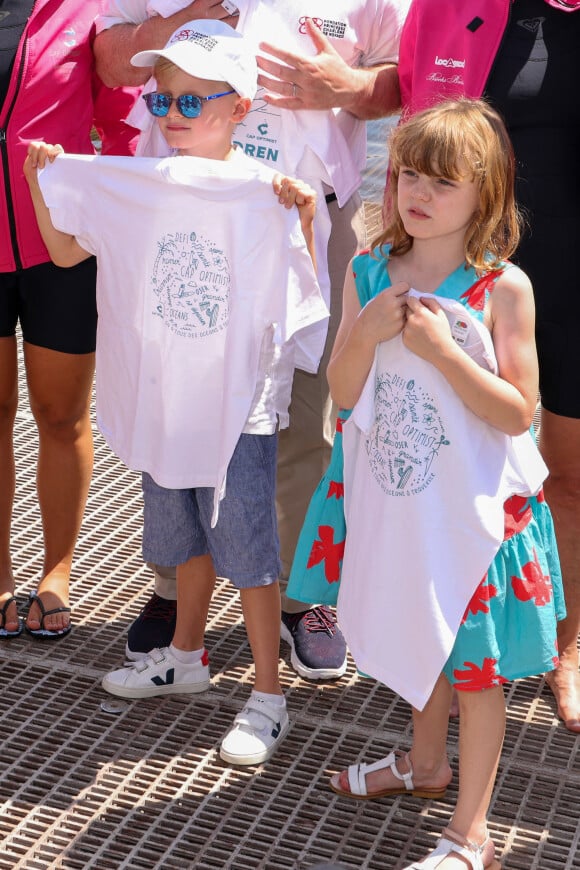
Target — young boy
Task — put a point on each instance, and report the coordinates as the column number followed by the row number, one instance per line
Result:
column 194, row 358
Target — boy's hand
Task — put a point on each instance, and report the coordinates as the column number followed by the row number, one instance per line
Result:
column 38, row 154
column 293, row 191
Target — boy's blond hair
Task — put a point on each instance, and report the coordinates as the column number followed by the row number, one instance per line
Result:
column 165, row 66
column 437, row 142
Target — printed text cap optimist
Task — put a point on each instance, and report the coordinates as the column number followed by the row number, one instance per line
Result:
column 209, row 50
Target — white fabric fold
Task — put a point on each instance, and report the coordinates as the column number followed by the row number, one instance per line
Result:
column 425, row 484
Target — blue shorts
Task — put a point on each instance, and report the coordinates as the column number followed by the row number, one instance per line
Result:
column 244, row 544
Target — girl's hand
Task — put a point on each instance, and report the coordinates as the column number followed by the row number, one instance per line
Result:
column 38, row 154
column 427, row 332
column 385, row 315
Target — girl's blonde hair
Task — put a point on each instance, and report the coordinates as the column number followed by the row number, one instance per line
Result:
column 442, row 141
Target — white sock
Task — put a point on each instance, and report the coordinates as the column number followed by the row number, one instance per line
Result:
column 185, row 656
column 276, row 700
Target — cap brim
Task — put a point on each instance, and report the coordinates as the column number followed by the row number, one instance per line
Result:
column 147, row 58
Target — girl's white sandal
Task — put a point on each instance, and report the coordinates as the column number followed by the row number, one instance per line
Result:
column 452, row 843
column 357, row 774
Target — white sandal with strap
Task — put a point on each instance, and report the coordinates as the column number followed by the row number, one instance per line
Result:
column 452, row 843
column 357, row 774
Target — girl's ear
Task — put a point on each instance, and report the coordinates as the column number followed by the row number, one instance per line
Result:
column 241, row 109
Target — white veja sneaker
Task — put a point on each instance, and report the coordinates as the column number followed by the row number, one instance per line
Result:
column 159, row 673
column 256, row 733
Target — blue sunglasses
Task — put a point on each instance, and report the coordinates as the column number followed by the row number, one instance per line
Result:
column 188, row 105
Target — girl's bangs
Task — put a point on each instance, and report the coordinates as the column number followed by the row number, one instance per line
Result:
column 433, row 149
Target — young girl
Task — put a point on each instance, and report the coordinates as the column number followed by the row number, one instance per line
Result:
column 442, row 478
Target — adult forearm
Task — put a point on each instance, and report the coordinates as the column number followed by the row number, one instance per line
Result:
column 375, row 92
column 114, row 48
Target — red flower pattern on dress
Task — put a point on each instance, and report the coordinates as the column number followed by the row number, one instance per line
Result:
column 479, row 598
column 476, row 295
column 475, row 678
column 534, row 584
column 517, row 515
column 336, row 489
column 326, row 550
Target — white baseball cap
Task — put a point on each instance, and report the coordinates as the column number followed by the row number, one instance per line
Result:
column 209, row 49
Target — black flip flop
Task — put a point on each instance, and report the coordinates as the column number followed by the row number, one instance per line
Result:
column 42, row 632
column 4, row 633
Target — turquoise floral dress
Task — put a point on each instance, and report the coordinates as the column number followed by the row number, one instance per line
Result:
column 509, row 627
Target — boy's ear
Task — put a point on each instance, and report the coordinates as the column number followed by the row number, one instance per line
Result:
column 241, row 109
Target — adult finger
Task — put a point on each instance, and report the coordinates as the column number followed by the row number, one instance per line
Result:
column 283, row 94
column 289, row 60
column 277, row 70
column 223, row 10
column 319, row 40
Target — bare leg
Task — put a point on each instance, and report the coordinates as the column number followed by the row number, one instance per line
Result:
column 59, row 387
column 560, row 446
column 8, row 405
column 428, row 755
column 261, row 608
column 195, row 584
column 481, row 733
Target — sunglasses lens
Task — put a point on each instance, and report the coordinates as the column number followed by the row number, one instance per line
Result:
column 189, row 105
column 158, row 104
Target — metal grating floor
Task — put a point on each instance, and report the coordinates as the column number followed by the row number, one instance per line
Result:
column 145, row 787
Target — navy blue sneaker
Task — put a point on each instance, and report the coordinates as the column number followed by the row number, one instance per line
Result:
column 153, row 628
column 318, row 648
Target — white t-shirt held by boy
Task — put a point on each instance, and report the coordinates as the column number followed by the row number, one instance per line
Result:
column 202, row 280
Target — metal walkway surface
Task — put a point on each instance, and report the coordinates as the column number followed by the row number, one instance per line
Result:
column 144, row 787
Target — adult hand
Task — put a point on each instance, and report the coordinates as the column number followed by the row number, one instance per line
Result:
column 212, row 9
column 323, row 81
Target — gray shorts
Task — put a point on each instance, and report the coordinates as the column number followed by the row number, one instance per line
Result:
column 244, row 544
